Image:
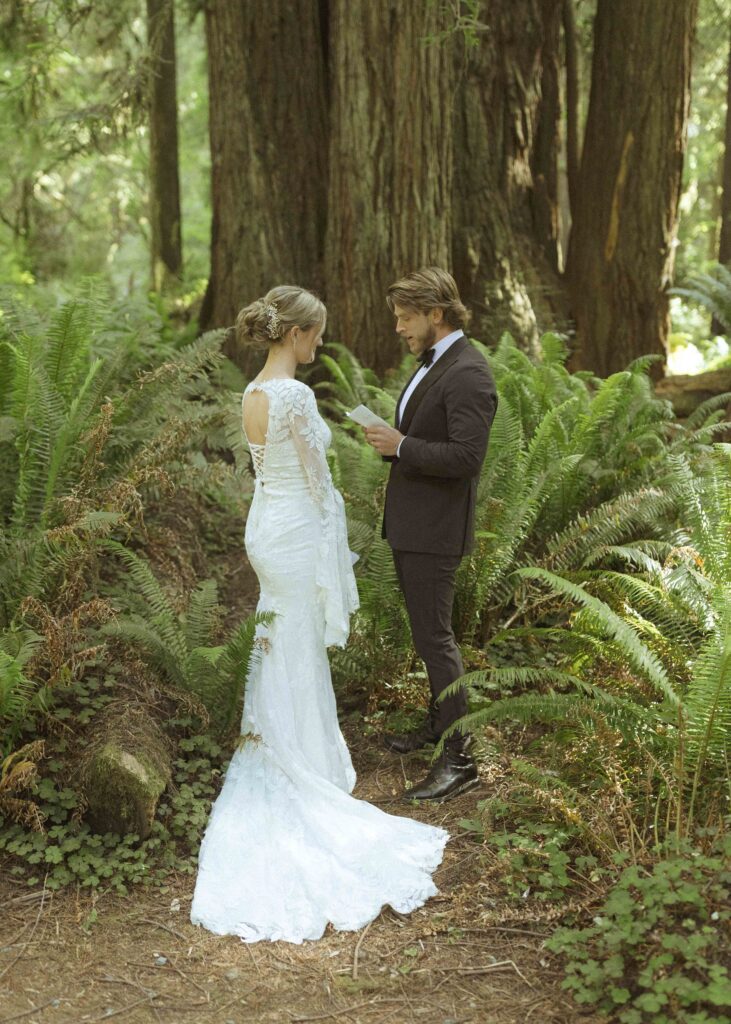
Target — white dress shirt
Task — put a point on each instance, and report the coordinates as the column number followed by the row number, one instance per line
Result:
column 439, row 348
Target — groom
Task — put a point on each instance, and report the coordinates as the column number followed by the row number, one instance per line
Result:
column 443, row 420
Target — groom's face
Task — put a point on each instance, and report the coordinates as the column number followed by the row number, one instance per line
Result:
column 418, row 330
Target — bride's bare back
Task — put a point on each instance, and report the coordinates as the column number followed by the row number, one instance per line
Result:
column 256, row 416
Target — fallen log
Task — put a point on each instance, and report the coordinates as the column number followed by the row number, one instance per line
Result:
column 126, row 768
column 687, row 391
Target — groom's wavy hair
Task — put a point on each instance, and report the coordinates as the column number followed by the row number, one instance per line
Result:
column 426, row 289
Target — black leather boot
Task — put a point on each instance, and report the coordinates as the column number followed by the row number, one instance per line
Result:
column 406, row 743
column 455, row 772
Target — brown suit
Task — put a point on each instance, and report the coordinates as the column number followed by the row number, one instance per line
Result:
column 429, row 511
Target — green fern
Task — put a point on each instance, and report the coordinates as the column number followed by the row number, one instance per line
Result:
column 349, row 384
column 237, row 658
column 68, row 453
column 171, row 651
column 70, row 335
column 708, row 698
column 18, row 693
column 608, row 623
column 202, row 614
column 181, row 647
column 381, row 604
column 711, row 290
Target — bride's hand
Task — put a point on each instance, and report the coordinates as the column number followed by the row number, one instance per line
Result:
column 384, row 439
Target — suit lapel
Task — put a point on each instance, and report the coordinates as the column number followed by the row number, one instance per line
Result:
column 400, row 397
column 439, row 368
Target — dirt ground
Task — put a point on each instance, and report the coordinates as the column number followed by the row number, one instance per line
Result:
column 139, row 960
column 74, row 956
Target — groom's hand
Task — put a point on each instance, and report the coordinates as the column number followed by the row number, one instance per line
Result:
column 384, row 439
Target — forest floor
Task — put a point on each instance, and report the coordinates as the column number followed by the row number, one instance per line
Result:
column 73, row 956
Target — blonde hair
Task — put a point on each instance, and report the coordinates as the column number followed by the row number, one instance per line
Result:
column 265, row 321
column 426, row 289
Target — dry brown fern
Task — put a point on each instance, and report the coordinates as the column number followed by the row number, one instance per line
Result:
column 18, row 772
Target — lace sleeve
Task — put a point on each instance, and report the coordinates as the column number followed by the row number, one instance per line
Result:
column 304, row 424
column 334, row 572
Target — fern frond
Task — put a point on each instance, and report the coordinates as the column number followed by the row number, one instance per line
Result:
column 234, row 434
column 657, row 602
column 378, row 589
column 17, row 691
column 201, row 617
column 554, row 348
column 235, row 664
column 66, row 443
column 69, row 337
column 163, row 617
column 508, row 676
column 711, row 290
column 634, row 555
column 576, row 713
column 699, row 417
column 610, row 523
column 708, row 699
column 145, row 635
column 608, row 622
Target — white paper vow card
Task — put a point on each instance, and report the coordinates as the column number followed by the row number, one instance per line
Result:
column 365, row 418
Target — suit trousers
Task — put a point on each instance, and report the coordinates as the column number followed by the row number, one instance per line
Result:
column 427, row 583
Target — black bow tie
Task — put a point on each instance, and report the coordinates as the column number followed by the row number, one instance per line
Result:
column 427, row 357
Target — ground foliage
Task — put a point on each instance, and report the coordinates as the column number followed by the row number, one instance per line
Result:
column 655, row 948
column 138, row 954
column 594, row 615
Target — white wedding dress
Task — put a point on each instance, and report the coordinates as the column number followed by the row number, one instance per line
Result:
column 287, row 849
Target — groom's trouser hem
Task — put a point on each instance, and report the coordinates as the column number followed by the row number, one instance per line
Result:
column 427, row 583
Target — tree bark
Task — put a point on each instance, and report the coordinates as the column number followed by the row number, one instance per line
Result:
column 403, row 189
column 502, row 271
column 621, row 250
column 724, row 246
column 724, row 243
column 390, row 163
column 572, row 99
column 544, row 158
column 166, row 251
column 267, row 88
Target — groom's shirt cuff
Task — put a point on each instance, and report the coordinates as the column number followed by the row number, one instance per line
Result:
column 398, row 450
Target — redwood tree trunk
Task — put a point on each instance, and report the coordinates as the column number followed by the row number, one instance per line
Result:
column 621, row 250
column 267, row 87
column 572, row 99
column 166, row 247
column 390, row 163
column 544, row 158
column 724, row 243
column 500, row 264
column 724, row 246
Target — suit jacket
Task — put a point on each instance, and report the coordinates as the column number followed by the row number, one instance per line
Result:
column 432, row 487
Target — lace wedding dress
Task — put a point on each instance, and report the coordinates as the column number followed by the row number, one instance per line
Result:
column 287, row 849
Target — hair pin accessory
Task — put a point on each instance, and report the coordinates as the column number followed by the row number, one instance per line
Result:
column 274, row 323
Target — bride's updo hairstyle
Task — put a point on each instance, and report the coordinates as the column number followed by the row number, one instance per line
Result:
column 266, row 321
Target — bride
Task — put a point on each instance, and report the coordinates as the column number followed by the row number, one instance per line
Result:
column 287, row 849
